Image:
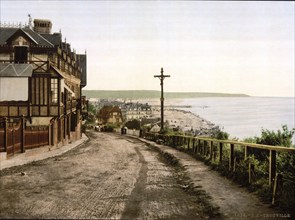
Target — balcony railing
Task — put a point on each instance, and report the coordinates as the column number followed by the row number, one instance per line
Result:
column 38, row 66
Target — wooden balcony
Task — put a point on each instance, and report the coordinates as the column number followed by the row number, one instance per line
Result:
column 38, row 66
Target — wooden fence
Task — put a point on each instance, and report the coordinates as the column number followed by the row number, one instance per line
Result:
column 219, row 151
column 36, row 136
column 15, row 138
column 11, row 137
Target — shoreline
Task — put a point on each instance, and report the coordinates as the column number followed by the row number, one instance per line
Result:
column 185, row 121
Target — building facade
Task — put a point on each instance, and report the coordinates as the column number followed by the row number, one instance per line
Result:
column 41, row 79
column 110, row 115
column 136, row 111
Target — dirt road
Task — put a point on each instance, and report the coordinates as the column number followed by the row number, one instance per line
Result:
column 110, row 176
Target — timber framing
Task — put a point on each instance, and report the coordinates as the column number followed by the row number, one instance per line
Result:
column 52, row 91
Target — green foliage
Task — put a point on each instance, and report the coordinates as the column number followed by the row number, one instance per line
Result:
column 285, row 163
column 91, row 116
column 220, row 135
column 279, row 138
column 134, row 124
column 91, row 108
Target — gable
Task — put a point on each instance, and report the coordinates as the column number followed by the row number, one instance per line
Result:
column 21, row 38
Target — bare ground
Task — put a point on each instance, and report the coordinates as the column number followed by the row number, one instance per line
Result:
column 110, row 176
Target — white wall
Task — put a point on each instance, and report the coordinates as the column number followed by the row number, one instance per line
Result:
column 14, row 89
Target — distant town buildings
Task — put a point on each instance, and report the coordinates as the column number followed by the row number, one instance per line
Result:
column 41, row 79
column 137, row 111
column 110, row 115
column 129, row 110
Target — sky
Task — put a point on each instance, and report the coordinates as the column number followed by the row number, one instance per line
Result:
column 218, row 46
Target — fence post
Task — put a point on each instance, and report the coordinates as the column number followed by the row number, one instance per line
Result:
column 204, row 147
column 188, row 142
column 49, row 134
column 173, row 140
column 211, row 150
column 231, row 157
column 208, row 148
column 194, row 147
column 250, row 172
column 220, row 152
column 272, row 167
column 246, row 153
column 23, row 134
column 5, row 134
column 277, row 190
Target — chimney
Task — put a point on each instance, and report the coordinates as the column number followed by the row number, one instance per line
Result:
column 42, row 26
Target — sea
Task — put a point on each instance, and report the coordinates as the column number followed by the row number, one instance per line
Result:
column 243, row 117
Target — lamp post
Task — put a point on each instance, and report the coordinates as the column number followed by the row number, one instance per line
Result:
column 162, row 77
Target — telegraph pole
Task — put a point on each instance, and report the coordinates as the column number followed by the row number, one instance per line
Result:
column 162, row 77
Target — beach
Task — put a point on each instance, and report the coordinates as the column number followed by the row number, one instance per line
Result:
column 185, row 120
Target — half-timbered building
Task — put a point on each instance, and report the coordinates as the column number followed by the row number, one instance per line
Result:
column 41, row 79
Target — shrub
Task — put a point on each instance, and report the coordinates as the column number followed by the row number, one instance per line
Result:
column 219, row 134
column 134, row 124
column 279, row 138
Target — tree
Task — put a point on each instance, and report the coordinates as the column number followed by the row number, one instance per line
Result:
column 134, row 124
column 91, row 108
column 91, row 116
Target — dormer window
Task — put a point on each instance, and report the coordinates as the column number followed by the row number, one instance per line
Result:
column 20, row 54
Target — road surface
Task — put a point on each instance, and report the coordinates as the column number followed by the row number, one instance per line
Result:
column 109, row 176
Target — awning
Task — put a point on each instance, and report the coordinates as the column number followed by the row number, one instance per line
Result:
column 16, row 70
column 64, row 75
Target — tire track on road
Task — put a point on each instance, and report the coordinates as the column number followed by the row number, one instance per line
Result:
column 133, row 205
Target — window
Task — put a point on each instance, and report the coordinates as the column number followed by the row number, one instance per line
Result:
column 20, row 54
column 39, row 90
column 54, row 90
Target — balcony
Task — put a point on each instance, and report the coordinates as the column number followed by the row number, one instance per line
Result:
column 38, row 66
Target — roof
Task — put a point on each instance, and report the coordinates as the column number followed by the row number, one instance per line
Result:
column 15, row 70
column 7, row 33
column 55, row 38
column 83, row 63
column 37, row 37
